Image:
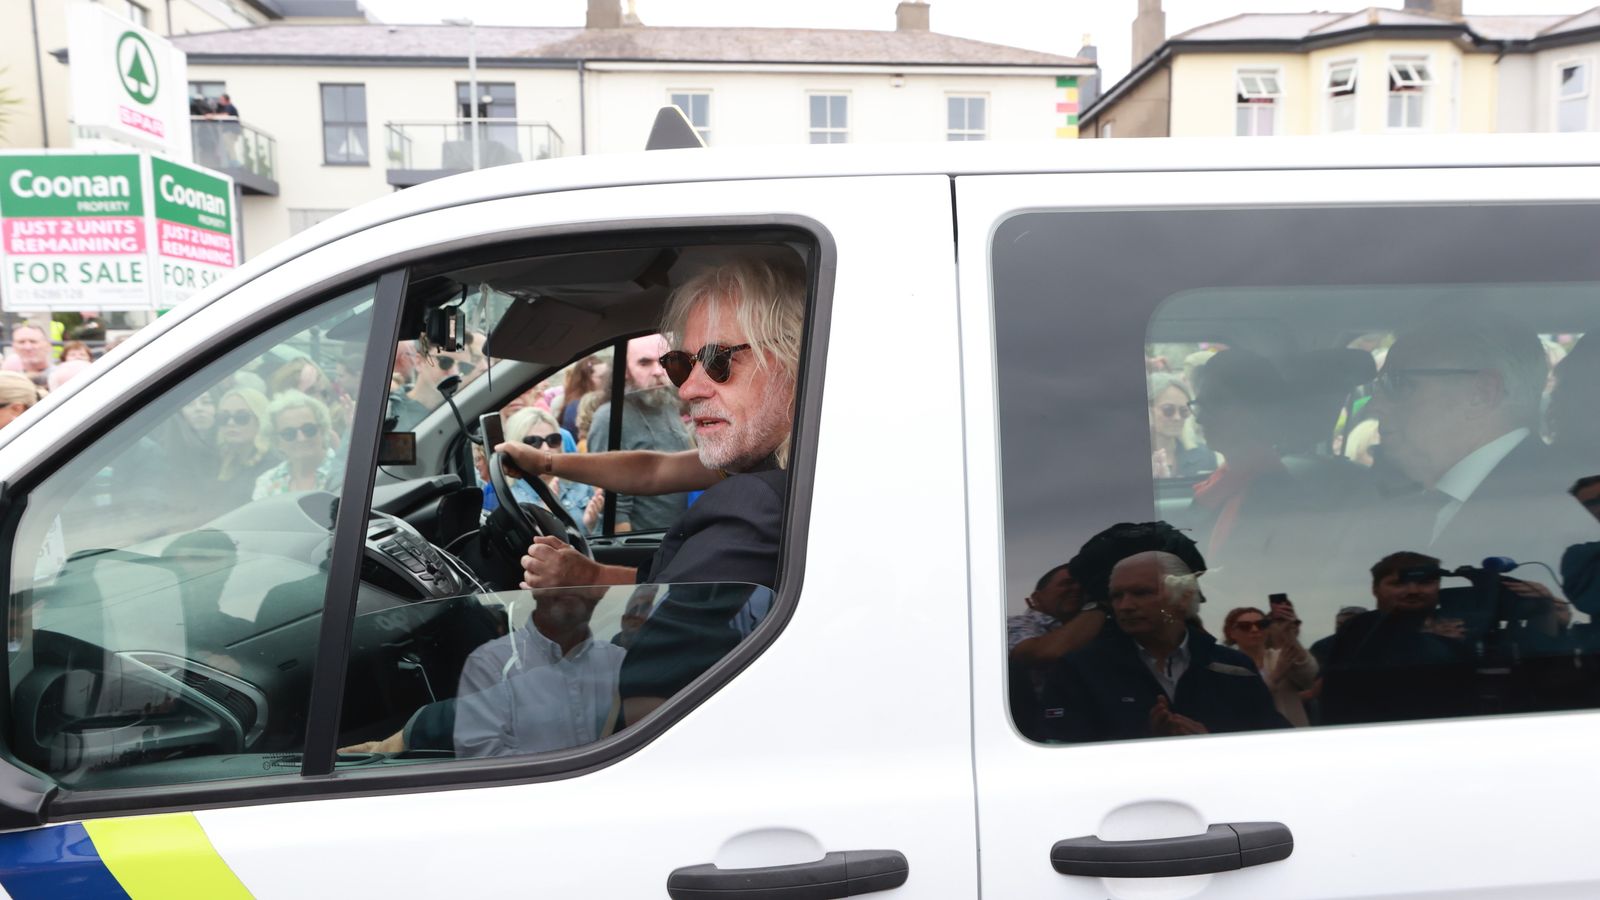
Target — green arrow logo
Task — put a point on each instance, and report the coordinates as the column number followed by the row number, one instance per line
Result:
column 136, row 66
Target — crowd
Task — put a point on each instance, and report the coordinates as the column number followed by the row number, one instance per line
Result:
column 1357, row 482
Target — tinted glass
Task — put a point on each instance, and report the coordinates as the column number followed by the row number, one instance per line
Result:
column 167, row 582
column 1245, row 357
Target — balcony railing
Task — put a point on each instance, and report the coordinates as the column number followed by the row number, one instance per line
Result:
column 228, row 145
column 420, row 151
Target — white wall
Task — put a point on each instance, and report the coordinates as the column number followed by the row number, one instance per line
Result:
column 753, row 108
column 286, row 102
column 1545, row 86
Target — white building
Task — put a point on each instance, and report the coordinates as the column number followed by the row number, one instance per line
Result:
column 358, row 110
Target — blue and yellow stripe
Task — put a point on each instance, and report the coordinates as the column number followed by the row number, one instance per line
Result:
column 166, row 856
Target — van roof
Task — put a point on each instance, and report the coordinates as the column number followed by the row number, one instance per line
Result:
column 954, row 159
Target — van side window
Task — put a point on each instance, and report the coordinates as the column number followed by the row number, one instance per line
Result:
column 167, row 581
column 1252, row 485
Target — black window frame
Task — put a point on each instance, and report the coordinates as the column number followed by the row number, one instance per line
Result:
column 56, row 804
column 347, row 123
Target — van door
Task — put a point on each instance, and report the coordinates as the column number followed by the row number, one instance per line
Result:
column 832, row 747
column 1431, row 747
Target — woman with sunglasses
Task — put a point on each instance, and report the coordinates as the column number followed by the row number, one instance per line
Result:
column 537, row 429
column 301, row 430
column 1273, row 644
column 243, row 445
column 1175, row 453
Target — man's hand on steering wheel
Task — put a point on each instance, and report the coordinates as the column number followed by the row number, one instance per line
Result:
column 526, row 460
column 551, row 562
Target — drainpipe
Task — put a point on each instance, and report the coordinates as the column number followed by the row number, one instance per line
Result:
column 38, row 73
column 583, row 118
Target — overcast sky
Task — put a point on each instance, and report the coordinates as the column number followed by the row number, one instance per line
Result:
column 1054, row 26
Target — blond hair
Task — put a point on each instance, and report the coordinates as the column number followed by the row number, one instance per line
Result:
column 767, row 301
column 233, row 461
column 16, row 387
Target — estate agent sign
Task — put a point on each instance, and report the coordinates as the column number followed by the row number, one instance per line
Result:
column 110, row 231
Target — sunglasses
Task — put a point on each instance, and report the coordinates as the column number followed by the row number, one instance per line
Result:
column 1174, row 410
column 715, row 358
column 1250, row 624
column 308, row 430
column 1400, row 382
column 549, row 440
column 446, row 363
column 241, row 417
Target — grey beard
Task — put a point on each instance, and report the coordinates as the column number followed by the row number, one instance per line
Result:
column 657, row 398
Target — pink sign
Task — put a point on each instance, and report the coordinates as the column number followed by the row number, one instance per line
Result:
column 195, row 244
column 88, row 236
column 143, row 122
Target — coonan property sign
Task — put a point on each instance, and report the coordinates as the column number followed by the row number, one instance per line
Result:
column 110, row 231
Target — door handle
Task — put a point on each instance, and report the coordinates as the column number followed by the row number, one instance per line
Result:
column 1222, row 848
column 843, row 874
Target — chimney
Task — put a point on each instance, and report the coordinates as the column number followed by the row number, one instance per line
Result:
column 1448, row 8
column 1089, row 85
column 911, row 15
column 1149, row 30
column 604, row 14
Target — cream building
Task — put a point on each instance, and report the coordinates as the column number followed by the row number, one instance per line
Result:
column 335, row 110
column 1423, row 69
column 359, row 110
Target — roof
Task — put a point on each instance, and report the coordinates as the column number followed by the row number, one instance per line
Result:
column 650, row 44
column 1289, row 32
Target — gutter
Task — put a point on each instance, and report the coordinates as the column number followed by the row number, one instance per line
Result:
column 583, row 112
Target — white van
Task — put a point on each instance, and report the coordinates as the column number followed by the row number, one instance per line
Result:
column 199, row 619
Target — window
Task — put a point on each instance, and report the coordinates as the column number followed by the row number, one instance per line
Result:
column 1409, row 79
column 1572, row 100
column 495, row 101
column 1342, row 96
column 696, row 108
column 167, row 582
column 475, row 666
column 830, row 120
column 1281, row 463
column 967, row 118
column 133, row 12
column 208, row 90
column 344, row 124
column 1256, row 108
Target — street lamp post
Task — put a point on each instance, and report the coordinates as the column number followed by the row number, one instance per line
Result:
column 472, row 83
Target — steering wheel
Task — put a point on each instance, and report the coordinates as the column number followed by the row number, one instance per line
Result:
column 524, row 523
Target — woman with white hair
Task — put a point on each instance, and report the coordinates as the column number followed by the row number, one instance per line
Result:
column 18, row 394
column 537, row 428
column 302, row 431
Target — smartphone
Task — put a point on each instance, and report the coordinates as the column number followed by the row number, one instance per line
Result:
column 491, row 430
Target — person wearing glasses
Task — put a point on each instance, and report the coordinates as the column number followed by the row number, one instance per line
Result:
column 1458, row 407
column 537, row 429
column 1174, row 451
column 243, row 445
column 651, row 420
column 18, row 394
column 301, row 430
column 739, row 327
column 1273, row 643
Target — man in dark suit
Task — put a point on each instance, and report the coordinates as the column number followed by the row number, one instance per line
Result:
column 1458, row 406
column 739, row 325
column 1155, row 674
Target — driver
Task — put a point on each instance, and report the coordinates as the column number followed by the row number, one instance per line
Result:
column 738, row 327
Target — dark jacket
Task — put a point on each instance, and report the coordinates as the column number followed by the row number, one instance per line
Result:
column 711, row 556
column 1521, row 510
column 1385, row 668
column 1103, row 692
